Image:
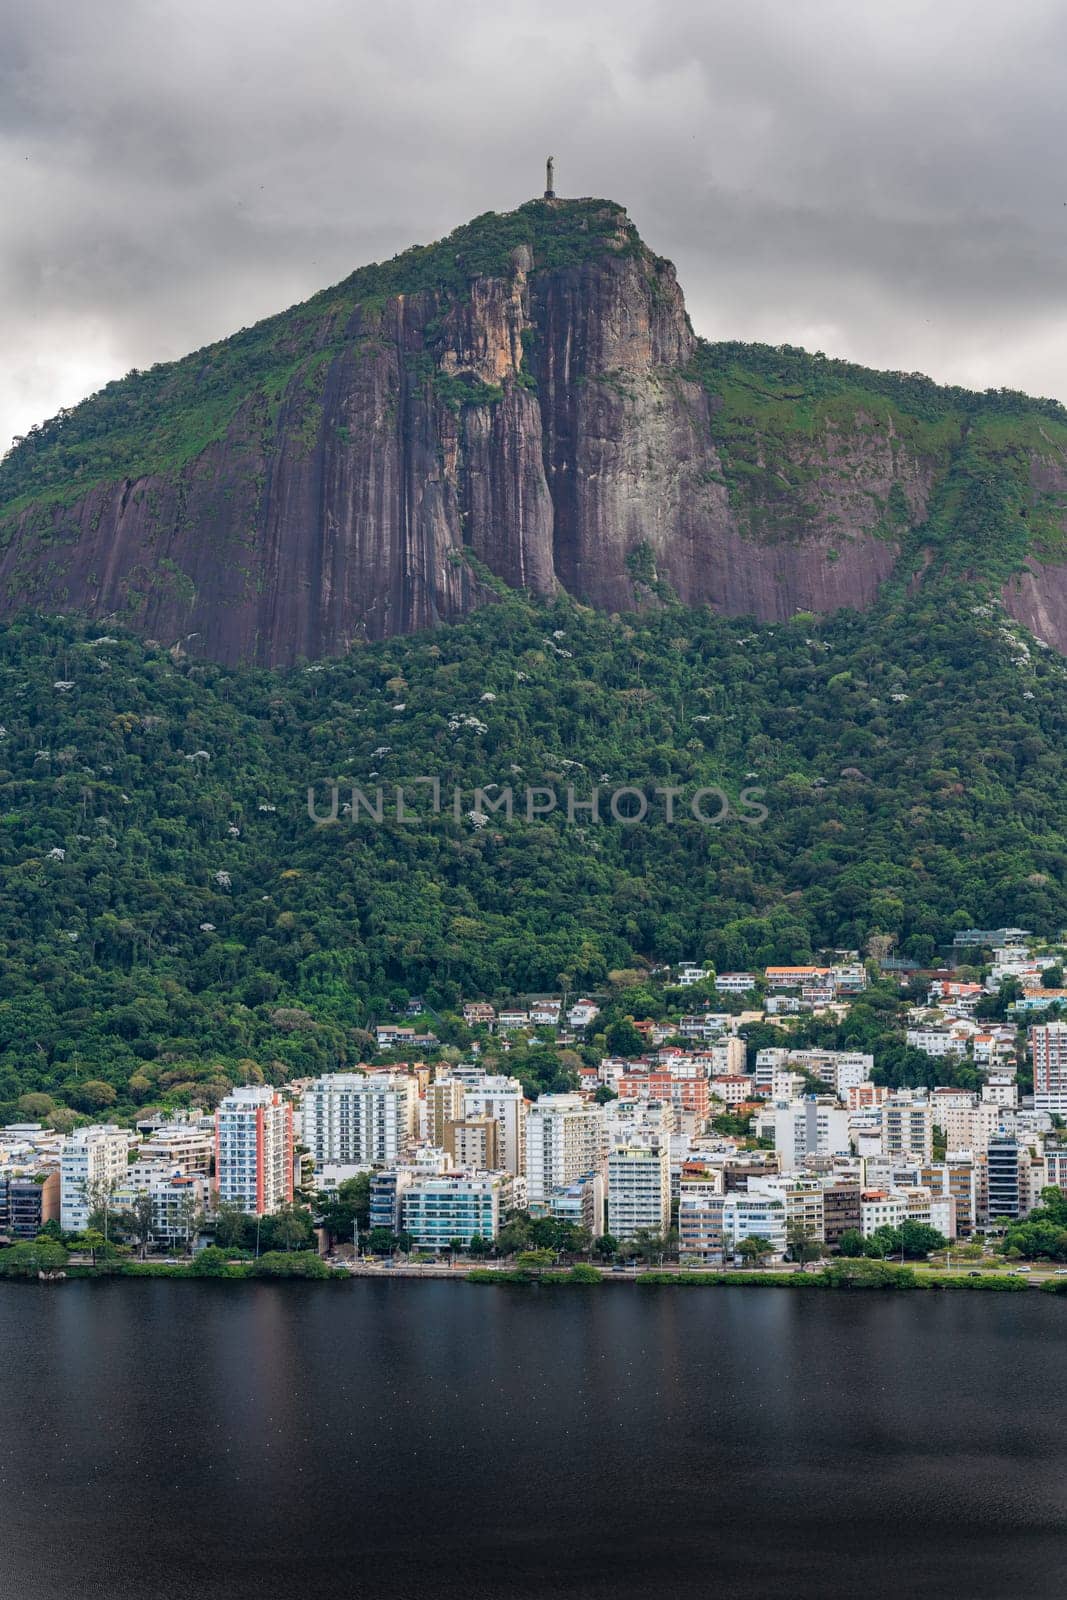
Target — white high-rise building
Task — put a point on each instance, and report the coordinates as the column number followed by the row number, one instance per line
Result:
column 908, row 1129
column 754, row 1215
column 809, row 1127
column 503, row 1099
column 92, row 1166
column 565, row 1139
column 359, row 1118
column 841, row 1069
column 967, row 1123
column 254, row 1150
column 454, row 1205
column 1049, row 1042
column 639, row 1184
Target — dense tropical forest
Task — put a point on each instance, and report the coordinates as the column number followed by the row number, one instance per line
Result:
column 172, row 916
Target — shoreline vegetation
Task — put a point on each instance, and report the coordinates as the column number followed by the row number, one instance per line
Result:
column 304, row 1265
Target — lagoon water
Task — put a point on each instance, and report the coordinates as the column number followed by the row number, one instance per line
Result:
column 404, row 1440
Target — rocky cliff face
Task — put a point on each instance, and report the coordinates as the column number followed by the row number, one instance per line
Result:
column 544, row 426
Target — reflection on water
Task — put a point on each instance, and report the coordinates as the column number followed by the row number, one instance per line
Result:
column 401, row 1440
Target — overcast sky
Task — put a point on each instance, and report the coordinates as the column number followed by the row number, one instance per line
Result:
column 881, row 179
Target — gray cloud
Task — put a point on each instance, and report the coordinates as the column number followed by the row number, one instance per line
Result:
column 882, row 181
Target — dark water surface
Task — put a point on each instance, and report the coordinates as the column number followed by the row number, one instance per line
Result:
column 406, row 1440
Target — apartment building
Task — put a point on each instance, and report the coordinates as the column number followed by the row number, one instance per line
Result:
column 840, row 1069
column 881, row 1208
column 803, row 1198
column 503, row 1099
column 179, row 1201
column 180, row 1145
column 1056, row 1166
column 436, row 1210
column 733, row 1088
column 1049, row 1045
column 1007, row 1164
column 963, row 1188
column 1001, row 1089
column 813, row 1126
column 565, row 1136
column 28, row 1199
column 472, row 1143
column 841, row 1211
column 92, row 1164
column 254, row 1150
column 444, row 1104
column 727, row 1057
column 359, row 1118
column 581, row 1203
column 967, row 1123
column 639, row 1186
column 700, row 1209
column 908, row 1129
column 684, row 1092
column 753, row 1215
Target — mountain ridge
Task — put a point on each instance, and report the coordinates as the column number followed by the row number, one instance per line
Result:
column 523, row 402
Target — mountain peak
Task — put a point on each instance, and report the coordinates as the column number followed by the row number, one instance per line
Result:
column 523, row 403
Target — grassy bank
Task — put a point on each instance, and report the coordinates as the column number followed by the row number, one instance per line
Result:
column 838, row 1275
column 842, row 1275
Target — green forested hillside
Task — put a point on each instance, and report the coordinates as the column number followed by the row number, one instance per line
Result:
column 170, row 914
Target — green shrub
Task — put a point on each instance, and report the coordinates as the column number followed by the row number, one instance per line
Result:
column 581, row 1273
column 210, row 1263
column 290, row 1264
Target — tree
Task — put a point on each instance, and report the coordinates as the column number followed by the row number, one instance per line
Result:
column 606, row 1246
column 623, row 1039
column 288, row 1228
column 534, row 1260
column 381, row 1241
column 345, row 1210
column 648, row 1245
column 514, row 1235
column 92, row 1240
column 136, row 1222
column 914, row 1240
column 36, row 1106
column 93, row 1095
column 1052, row 978
column 190, row 1220
column 32, row 1256
column 754, row 1250
column 804, row 1244
column 98, row 1196
column 919, row 1239
column 231, row 1226
column 883, row 1242
column 851, row 1243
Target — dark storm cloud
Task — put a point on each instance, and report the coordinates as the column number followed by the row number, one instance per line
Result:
column 880, row 180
